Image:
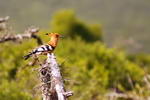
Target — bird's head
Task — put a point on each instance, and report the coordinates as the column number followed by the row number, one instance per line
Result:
column 54, row 38
column 54, row 35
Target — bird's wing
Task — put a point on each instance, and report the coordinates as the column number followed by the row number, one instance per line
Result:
column 43, row 48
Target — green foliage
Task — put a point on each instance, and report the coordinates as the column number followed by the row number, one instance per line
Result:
column 67, row 23
column 142, row 60
column 112, row 69
column 11, row 91
column 16, row 81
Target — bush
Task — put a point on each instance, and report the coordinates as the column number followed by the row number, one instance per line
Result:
column 67, row 23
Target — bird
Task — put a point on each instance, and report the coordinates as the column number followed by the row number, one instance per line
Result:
column 47, row 48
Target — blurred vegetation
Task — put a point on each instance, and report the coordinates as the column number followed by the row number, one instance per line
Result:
column 91, row 67
column 67, row 23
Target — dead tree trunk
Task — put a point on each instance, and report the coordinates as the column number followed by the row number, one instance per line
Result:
column 52, row 87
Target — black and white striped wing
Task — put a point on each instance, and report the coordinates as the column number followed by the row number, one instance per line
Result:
column 42, row 49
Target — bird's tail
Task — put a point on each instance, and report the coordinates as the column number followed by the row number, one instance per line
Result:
column 27, row 56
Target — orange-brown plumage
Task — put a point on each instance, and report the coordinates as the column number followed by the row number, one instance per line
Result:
column 54, row 39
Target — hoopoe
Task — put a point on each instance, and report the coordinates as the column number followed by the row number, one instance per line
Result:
column 47, row 48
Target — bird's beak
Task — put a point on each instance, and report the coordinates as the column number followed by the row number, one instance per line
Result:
column 61, row 36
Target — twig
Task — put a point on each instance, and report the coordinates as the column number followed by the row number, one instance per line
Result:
column 3, row 21
column 147, row 81
column 115, row 96
column 130, row 81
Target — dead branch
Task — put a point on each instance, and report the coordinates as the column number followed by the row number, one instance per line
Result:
column 53, row 88
column 3, row 21
column 115, row 96
column 29, row 33
column 147, row 81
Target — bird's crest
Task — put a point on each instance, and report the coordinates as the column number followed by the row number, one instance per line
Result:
column 57, row 35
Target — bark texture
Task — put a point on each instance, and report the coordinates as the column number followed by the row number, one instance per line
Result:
column 52, row 82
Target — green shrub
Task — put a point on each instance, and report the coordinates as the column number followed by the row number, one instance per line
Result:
column 67, row 23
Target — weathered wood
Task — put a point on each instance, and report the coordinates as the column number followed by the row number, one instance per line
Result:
column 29, row 33
column 3, row 23
column 53, row 88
